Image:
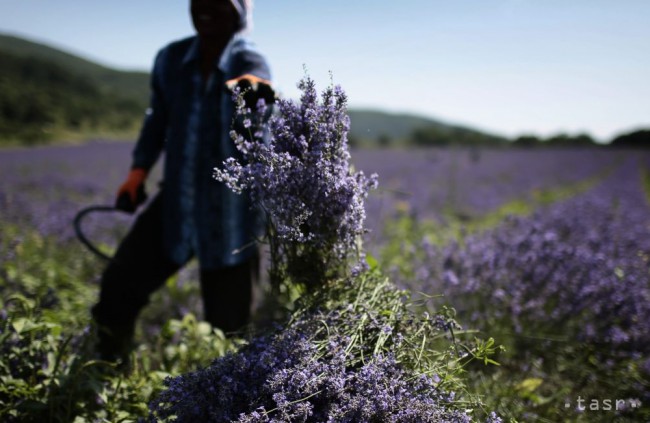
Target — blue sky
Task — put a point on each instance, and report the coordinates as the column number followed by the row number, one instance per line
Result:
column 507, row 66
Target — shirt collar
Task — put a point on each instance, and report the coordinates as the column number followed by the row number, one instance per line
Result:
column 193, row 52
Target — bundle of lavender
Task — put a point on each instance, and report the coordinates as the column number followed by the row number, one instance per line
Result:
column 354, row 349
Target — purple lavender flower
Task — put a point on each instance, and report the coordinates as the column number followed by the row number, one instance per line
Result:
column 302, row 179
column 312, row 372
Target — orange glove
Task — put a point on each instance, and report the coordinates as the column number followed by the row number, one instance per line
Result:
column 131, row 194
column 252, row 79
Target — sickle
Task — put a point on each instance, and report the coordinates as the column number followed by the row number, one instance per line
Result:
column 80, row 235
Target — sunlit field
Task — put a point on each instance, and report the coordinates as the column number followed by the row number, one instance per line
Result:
column 531, row 269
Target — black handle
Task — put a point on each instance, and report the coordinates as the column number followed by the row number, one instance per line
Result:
column 125, row 204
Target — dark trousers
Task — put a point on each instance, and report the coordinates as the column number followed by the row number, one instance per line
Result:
column 140, row 267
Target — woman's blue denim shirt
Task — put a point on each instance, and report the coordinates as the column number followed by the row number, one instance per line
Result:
column 191, row 120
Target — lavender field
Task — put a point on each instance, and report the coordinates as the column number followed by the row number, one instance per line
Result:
column 545, row 251
column 565, row 289
column 45, row 187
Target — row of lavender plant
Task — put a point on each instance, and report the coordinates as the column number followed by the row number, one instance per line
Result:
column 586, row 257
column 469, row 182
column 572, row 277
column 43, row 188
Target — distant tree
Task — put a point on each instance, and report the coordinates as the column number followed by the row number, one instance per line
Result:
column 384, row 140
column 458, row 136
column 527, row 141
column 583, row 140
column 559, row 140
column 429, row 137
column 635, row 139
column 566, row 140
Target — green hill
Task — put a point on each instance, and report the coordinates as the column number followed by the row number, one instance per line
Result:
column 372, row 124
column 42, row 101
column 126, row 84
column 376, row 128
column 49, row 94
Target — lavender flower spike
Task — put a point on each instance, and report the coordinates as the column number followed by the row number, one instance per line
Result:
column 302, row 179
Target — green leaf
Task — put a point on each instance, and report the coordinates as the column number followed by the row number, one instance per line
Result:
column 529, row 385
column 19, row 324
column 619, row 273
column 372, row 262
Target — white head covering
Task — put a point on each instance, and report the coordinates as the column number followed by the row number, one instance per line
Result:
column 245, row 9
